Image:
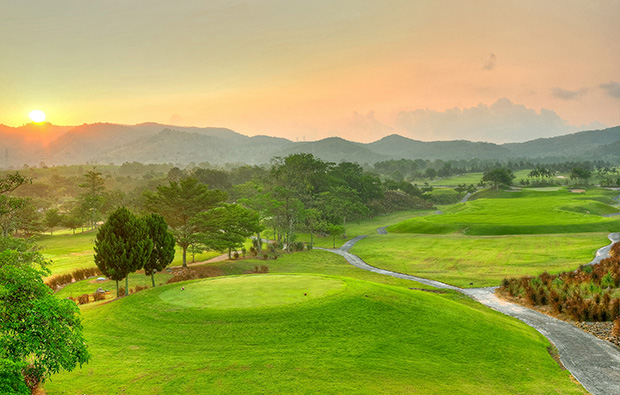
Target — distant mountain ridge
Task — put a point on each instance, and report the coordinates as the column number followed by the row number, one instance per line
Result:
column 105, row 143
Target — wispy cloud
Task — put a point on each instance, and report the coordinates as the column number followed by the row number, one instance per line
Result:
column 612, row 89
column 565, row 94
column 489, row 63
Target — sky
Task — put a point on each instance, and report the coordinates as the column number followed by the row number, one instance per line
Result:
column 481, row 70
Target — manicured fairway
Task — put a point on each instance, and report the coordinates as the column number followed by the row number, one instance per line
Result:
column 362, row 227
column 484, row 261
column 366, row 338
column 525, row 212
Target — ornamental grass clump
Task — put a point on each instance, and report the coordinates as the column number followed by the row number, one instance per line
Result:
column 582, row 294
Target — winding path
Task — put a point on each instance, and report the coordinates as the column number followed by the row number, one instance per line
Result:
column 593, row 362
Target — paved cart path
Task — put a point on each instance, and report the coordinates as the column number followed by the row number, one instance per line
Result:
column 595, row 363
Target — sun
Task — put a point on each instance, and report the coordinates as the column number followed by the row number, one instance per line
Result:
column 37, row 116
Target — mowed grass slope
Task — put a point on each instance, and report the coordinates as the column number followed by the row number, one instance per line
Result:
column 522, row 212
column 484, row 260
column 355, row 337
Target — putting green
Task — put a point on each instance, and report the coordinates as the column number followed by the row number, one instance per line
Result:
column 242, row 292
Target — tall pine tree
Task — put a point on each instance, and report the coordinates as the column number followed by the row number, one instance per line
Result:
column 163, row 245
column 122, row 246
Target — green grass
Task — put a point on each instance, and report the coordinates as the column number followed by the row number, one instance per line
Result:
column 484, row 261
column 366, row 339
column 361, row 227
column 523, row 212
column 90, row 285
column 475, row 178
column 252, row 291
column 69, row 252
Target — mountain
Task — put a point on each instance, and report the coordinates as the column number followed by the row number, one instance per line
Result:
column 157, row 143
column 401, row 147
column 577, row 145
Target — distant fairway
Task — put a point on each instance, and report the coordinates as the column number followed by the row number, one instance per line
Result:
column 358, row 338
column 524, row 212
column 484, row 261
column 69, row 252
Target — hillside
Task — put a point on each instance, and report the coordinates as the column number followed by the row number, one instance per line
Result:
column 156, row 143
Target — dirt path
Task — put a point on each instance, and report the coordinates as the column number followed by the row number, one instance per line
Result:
column 593, row 362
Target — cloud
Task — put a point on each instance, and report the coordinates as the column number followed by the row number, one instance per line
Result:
column 612, row 89
column 489, row 63
column 568, row 95
column 500, row 122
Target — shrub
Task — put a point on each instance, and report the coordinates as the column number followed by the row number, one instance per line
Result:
column 615, row 331
column 83, row 299
column 98, row 296
column 195, row 272
column 138, row 288
column 235, row 255
column 121, row 291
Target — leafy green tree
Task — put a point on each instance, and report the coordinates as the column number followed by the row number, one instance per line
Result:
column 39, row 334
column 334, row 231
column 580, row 173
column 92, row 200
column 226, row 227
column 179, row 202
column 342, row 202
column 52, row 219
column 122, row 246
column 162, row 253
column 498, row 176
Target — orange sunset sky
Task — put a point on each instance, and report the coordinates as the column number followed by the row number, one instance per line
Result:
column 431, row 70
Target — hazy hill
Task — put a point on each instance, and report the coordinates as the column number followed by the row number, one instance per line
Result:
column 336, row 149
column 576, row 145
column 401, row 147
column 157, row 143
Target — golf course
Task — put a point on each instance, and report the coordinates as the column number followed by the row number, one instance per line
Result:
column 314, row 323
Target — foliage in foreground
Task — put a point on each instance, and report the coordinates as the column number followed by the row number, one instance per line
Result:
column 40, row 335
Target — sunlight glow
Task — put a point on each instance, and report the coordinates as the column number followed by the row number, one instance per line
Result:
column 37, row 116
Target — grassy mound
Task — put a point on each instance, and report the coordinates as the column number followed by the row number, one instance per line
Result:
column 251, row 291
column 521, row 212
column 366, row 339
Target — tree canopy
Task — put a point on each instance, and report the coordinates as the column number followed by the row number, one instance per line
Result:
column 122, row 245
column 39, row 334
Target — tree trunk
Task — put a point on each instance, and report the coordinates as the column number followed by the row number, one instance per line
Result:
column 311, row 240
column 260, row 242
column 344, row 229
column 229, row 251
column 117, row 289
column 127, row 285
column 153, row 279
column 185, row 257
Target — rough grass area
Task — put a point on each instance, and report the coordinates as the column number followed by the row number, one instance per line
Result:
column 484, row 261
column 367, row 339
column 522, row 212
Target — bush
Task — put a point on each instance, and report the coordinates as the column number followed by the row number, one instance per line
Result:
column 138, row 288
column 121, row 292
column 98, row 296
column 195, row 272
column 11, row 379
column 83, row 299
column 235, row 255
